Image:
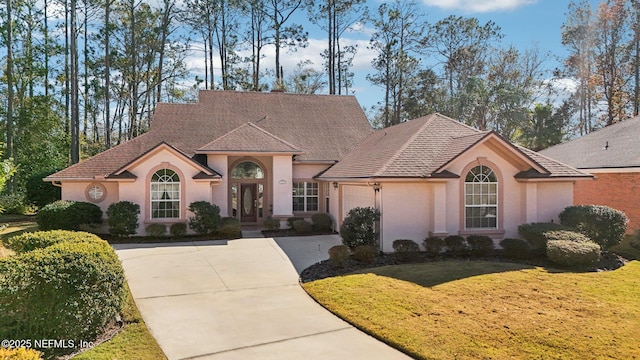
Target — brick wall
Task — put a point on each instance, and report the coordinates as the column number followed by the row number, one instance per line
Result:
column 617, row 190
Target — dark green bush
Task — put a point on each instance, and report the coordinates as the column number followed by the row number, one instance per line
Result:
column 14, row 204
column 293, row 219
column 123, row 218
column 433, row 245
column 69, row 290
column 322, row 222
column 178, row 229
column 572, row 253
column 534, row 233
column 516, row 248
column 635, row 240
column 602, row 224
column 40, row 193
column 271, row 224
column 406, row 250
column 480, row 245
column 566, row 235
column 229, row 228
column 365, row 253
column 41, row 239
column 338, row 255
column 206, row 217
column 302, row 227
column 456, row 245
column 358, row 228
column 156, row 230
column 68, row 215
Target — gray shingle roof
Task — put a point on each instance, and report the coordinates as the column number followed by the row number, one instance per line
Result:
column 591, row 151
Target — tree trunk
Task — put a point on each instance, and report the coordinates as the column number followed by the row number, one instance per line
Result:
column 75, row 114
column 9, row 152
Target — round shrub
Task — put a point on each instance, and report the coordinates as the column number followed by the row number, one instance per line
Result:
column 358, row 228
column 178, row 229
column 406, row 250
column 123, row 218
column 516, row 248
column 604, row 225
column 206, row 217
column 322, row 222
column 293, row 219
column 433, row 245
column 20, row 354
column 229, row 228
column 339, row 255
column 68, row 215
column 365, row 253
column 534, row 233
column 566, row 235
column 456, row 245
column 480, row 245
column 271, row 224
column 41, row 239
column 302, row 227
column 156, row 230
column 69, row 290
column 571, row 253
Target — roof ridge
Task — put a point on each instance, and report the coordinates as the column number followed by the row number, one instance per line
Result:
column 457, row 122
column 272, row 135
column 525, row 150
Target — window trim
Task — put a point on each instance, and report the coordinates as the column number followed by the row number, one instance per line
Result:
column 148, row 208
column 90, row 187
column 499, row 229
column 484, row 185
column 305, row 196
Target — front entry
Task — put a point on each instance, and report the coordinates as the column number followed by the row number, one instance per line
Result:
column 248, row 203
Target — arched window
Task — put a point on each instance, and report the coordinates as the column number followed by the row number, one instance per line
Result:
column 481, row 198
column 165, row 194
column 247, row 170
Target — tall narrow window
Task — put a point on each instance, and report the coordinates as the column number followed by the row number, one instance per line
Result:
column 305, row 196
column 481, row 198
column 165, row 195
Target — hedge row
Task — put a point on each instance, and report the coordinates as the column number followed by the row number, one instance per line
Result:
column 68, row 215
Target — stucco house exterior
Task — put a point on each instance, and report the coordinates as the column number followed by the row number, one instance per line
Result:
column 612, row 155
column 259, row 155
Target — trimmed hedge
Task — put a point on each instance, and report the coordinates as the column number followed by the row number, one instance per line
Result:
column 358, row 228
column 516, row 248
column 480, row 245
column 69, row 290
column 406, row 250
column 456, row 245
column 292, row 219
column 534, row 233
column 338, row 255
column 433, row 245
column 572, row 253
column 206, row 217
column 68, row 215
column 302, row 227
column 635, row 240
column 156, row 230
column 123, row 218
column 566, row 235
column 178, row 229
column 604, row 225
column 322, row 222
column 42, row 239
column 365, row 253
column 229, row 228
column 271, row 224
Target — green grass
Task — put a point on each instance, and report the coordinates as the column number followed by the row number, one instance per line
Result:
column 485, row 310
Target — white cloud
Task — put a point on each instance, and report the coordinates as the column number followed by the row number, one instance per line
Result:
column 479, row 6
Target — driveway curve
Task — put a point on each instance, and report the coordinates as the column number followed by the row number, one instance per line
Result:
column 239, row 299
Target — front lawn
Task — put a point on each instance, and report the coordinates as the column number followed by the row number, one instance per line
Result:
column 482, row 310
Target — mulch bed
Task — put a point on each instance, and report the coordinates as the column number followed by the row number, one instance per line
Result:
column 324, row 269
column 292, row 232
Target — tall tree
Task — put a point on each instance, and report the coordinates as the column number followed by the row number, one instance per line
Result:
column 9, row 74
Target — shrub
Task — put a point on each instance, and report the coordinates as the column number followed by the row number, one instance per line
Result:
column 271, row 224
column 206, row 217
column 41, row 193
column 433, row 245
column 604, row 225
column 406, row 250
column 534, row 234
column 178, row 229
column 635, row 240
column 456, row 245
column 358, row 228
column 42, row 239
column 322, row 222
column 68, row 215
column 20, row 354
column 571, row 253
column 229, row 228
column 365, row 253
column 69, row 290
column 302, row 227
column 480, row 245
column 156, row 230
column 293, row 219
column 14, row 204
column 123, row 218
column 338, row 255
column 566, row 235
column 516, row 248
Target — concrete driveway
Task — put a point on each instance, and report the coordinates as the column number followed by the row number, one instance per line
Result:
column 239, row 300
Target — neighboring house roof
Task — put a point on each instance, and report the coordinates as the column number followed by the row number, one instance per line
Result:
column 423, row 147
column 323, row 127
column 615, row 146
column 249, row 138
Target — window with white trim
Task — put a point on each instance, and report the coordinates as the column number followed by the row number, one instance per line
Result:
column 481, row 198
column 305, row 196
column 165, row 194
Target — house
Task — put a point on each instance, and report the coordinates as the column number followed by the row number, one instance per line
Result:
column 259, row 155
column 612, row 154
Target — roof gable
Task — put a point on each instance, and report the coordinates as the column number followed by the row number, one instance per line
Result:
column 249, row 137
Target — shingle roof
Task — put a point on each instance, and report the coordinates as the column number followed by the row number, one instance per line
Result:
column 421, row 148
column 615, row 146
column 324, row 127
column 250, row 138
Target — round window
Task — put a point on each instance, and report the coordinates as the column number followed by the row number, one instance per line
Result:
column 96, row 192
